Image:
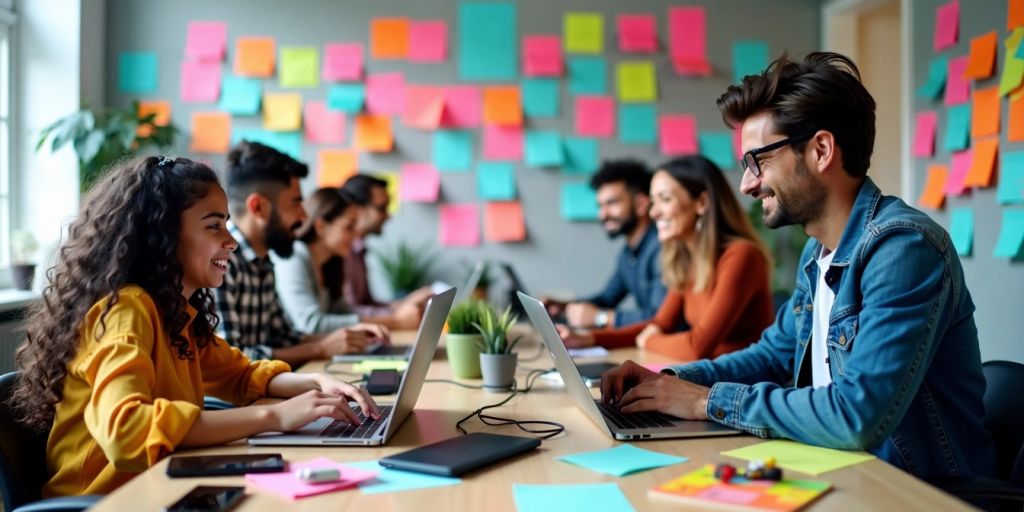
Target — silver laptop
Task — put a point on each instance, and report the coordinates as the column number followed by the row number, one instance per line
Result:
column 648, row 425
column 328, row 431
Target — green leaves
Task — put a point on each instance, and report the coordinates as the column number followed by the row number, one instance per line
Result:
column 463, row 318
column 494, row 329
column 407, row 269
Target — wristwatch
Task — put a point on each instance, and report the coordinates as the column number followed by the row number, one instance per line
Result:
column 601, row 318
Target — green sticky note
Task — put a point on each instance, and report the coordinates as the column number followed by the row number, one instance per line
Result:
column 583, row 32
column 1013, row 64
column 453, row 150
column 961, row 230
column 622, row 460
column 1011, row 178
column 289, row 143
column 579, row 202
column 496, row 181
column 936, row 78
column 369, row 365
column 488, row 44
column 606, row 497
column 300, row 66
column 748, row 58
column 346, row 97
column 136, row 72
column 587, row 75
column 812, row 460
column 717, row 147
column 1011, row 235
column 581, row 155
column 240, row 95
column 540, row 97
column 544, row 149
column 636, row 81
column 958, row 127
column 638, row 124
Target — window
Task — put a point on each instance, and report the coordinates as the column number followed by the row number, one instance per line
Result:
column 7, row 20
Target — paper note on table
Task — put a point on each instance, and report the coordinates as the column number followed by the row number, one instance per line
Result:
column 424, row 106
column 346, row 97
column 961, row 230
column 289, row 143
column 419, row 183
column 1013, row 65
column 206, row 40
column 460, row 225
column 932, row 195
column 504, row 222
column 369, row 365
column 985, row 112
column 323, row 126
column 136, row 72
column 678, row 134
column 389, row 38
column 800, row 457
column 587, row 352
column 503, row 142
column 638, row 33
column 584, row 32
column 239, row 95
column 622, row 460
column 688, row 41
column 958, row 88
column 924, row 134
column 343, row 61
column 159, row 109
column 982, row 59
column 749, row 58
column 288, row 486
column 391, row 480
column 595, row 116
column 958, row 170
column 502, row 106
column 717, row 147
column 700, row 490
column 638, row 124
column 496, row 181
column 452, row 150
column 544, row 148
column 334, row 166
column 1011, row 236
column 579, row 202
column 1011, row 179
column 588, row 75
column 947, row 25
column 983, row 162
column 254, row 56
column 200, row 81
column 958, row 127
column 282, row 111
column 300, row 66
column 211, row 132
column 461, row 106
column 540, row 97
column 606, row 497
column 487, row 41
column 580, row 155
column 636, row 81
column 373, row 133
column 542, row 56
column 385, row 93
column 428, row 41
column 937, row 70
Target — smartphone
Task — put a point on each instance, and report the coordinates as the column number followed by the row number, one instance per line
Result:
column 205, row 498
column 383, row 382
column 591, row 372
column 218, row 465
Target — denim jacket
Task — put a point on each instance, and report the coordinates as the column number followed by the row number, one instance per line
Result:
column 637, row 272
column 902, row 346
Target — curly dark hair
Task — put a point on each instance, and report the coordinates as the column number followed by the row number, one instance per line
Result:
column 126, row 233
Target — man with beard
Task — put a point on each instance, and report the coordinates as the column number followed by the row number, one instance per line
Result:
column 622, row 188
column 265, row 203
column 877, row 348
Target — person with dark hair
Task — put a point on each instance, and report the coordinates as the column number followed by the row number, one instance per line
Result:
column 623, row 203
column 877, row 349
column 266, row 206
column 121, row 350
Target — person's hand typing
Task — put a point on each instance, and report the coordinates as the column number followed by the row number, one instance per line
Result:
column 574, row 338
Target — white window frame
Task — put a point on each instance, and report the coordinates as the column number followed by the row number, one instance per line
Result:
column 8, row 185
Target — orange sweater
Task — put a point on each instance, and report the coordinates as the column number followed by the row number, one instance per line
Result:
column 723, row 319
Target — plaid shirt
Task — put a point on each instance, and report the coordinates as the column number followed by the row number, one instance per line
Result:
column 251, row 317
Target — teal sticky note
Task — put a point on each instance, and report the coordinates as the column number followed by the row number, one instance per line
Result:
column 289, row 143
column 588, row 75
column 496, row 181
column 136, row 72
column 1011, row 235
column 1011, row 178
column 540, row 97
column 961, row 230
column 453, row 150
column 240, row 95
column 579, row 202
column 958, row 127
column 580, row 155
column 622, row 460
column 748, row 58
column 717, row 147
column 488, row 43
column 544, row 149
column 392, row 480
column 346, row 97
column 936, row 81
column 606, row 497
column 638, row 124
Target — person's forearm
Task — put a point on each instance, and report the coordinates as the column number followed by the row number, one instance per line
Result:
column 289, row 384
column 299, row 354
column 219, row 427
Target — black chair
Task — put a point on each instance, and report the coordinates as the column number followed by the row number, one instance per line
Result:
column 23, row 463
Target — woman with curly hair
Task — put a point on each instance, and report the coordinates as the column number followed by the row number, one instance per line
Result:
column 121, row 350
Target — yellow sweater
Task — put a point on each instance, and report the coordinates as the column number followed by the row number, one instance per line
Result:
column 129, row 399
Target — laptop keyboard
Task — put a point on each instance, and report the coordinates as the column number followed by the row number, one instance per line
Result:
column 649, row 419
column 366, row 428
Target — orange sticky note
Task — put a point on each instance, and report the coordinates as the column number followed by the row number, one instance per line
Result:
column 933, row 196
column 282, row 111
column 985, row 112
column 373, row 133
column 1014, row 14
column 1016, row 120
column 211, row 132
column 334, row 166
column 982, row 60
column 389, row 38
column 983, row 164
column 254, row 56
column 502, row 106
column 503, row 221
column 161, row 111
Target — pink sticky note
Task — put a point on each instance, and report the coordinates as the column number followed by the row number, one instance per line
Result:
column 200, row 81
column 655, row 367
column 688, row 42
column 637, row 33
column 947, row 25
column 424, row 106
column 419, row 183
column 678, row 134
column 385, row 93
column 460, row 225
column 206, row 40
column 595, row 116
column 323, row 126
column 428, row 41
column 462, row 105
column 958, row 88
column 343, row 61
column 542, row 56
column 288, row 486
column 924, row 134
column 503, row 142
column 961, row 165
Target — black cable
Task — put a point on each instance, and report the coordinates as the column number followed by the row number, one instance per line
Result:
column 449, row 381
column 524, row 425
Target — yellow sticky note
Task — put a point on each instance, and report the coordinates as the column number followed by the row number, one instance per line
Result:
column 334, row 166
column 370, row 365
column 300, row 66
column 583, row 32
column 812, row 460
column 392, row 179
column 282, row 112
column 636, row 81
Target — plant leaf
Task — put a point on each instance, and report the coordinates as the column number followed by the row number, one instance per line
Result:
column 88, row 146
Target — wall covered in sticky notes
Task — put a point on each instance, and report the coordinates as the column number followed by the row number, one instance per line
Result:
column 487, row 117
column 968, row 151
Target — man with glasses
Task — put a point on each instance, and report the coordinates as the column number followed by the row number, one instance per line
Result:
column 877, row 348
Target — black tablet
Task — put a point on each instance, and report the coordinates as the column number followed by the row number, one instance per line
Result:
column 215, row 465
column 459, row 455
column 208, row 499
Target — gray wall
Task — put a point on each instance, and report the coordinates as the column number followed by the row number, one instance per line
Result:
column 996, row 284
column 558, row 255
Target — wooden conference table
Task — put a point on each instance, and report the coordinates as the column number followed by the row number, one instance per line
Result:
column 872, row 485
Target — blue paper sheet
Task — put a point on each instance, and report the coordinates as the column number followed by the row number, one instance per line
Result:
column 748, row 58
column 638, row 124
column 240, row 95
column 717, row 147
column 346, row 97
column 453, row 150
column 958, row 127
column 579, row 202
column 391, row 480
column 581, row 155
column 136, row 72
column 496, row 181
column 488, row 43
column 540, row 97
column 588, row 75
column 605, row 497
column 1011, row 235
column 1011, row 178
column 289, row 143
column 961, row 230
column 622, row 460
column 544, row 149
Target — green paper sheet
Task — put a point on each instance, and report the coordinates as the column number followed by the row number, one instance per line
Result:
column 800, row 457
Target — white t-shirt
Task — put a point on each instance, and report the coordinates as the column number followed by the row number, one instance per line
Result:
column 824, row 298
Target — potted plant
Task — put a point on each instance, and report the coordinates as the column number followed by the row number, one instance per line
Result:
column 497, row 360
column 23, row 249
column 407, row 269
column 463, row 341
column 480, row 277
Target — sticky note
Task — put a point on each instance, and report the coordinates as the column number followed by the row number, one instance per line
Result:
column 1011, row 179
column 300, row 66
column 924, row 134
column 588, row 75
column 159, row 109
column 542, row 56
column 452, row 150
column 323, row 126
column 958, row 170
column 211, row 132
column 346, row 97
column 638, row 33
column 540, row 97
column 288, row 486
column 958, row 127
column 982, row 60
column 932, row 195
column 488, row 44
column 385, row 93
column 393, row 186
column 460, row 225
column 638, row 124
column 419, row 183
column 496, row 181
column 343, row 61
column 622, row 460
column 985, row 112
column 678, row 134
column 504, row 221
column 282, row 111
column 812, row 460
column 136, row 72
column 717, row 147
column 1014, row 14
column 428, row 41
column 544, row 149
column 936, row 81
column 206, row 40
column 424, row 106
column 254, row 56
column 240, row 95
column 581, row 155
column 289, row 143
column 1016, row 129
column 687, row 48
column 947, row 25
column 389, row 38
column 334, row 166
column 502, row 106
column 392, row 480
column 749, row 58
column 1013, row 65
column 604, row 497
column 579, row 202
column 1011, row 236
column 958, row 88
column 373, row 133
column 200, row 81
column 636, row 81
column 462, row 105
column 503, row 142
column 595, row 116
column 961, row 230
column 584, row 32
column 983, row 162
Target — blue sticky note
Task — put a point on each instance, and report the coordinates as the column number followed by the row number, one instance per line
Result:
column 240, row 95
column 540, row 97
column 588, row 75
column 289, row 143
column 488, row 43
column 392, row 480
column 346, row 97
column 748, row 58
column 496, row 181
column 961, row 230
column 579, row 202
column 1011, row 178
column 717, row 147
column 1011, row 235
column 638, row 124
column 622, row 460
column 136, row 72
column 453, row 150
column 544, row 149
column 958, row 127
column 606, row 497
column 580, row 155
column 936, row 81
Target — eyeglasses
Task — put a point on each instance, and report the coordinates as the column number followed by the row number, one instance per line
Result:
column 750, row 161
